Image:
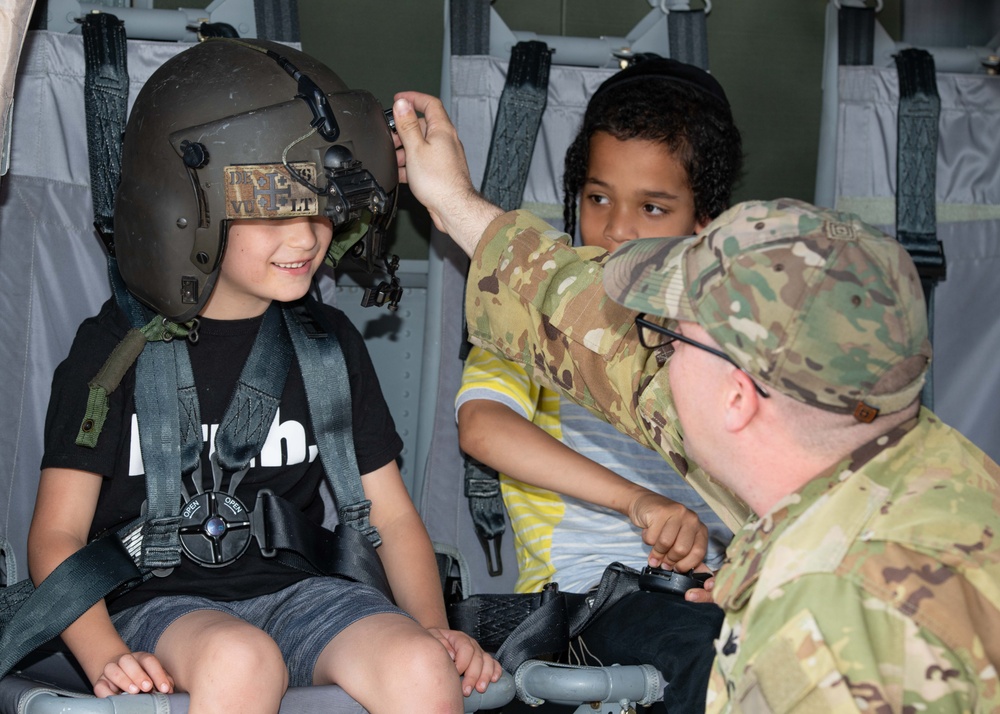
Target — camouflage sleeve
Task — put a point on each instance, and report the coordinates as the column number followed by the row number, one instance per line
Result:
column 492, row 378
column 535, row 300
column 821, row 643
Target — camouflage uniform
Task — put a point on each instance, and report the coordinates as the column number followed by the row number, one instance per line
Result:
column 571, row 336
column 875, row 587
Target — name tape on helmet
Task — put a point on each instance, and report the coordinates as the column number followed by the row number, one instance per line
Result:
column 269, row 191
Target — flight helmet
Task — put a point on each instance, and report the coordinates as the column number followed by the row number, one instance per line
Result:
column 232, row 129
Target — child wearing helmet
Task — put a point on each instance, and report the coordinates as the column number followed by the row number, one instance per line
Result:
column 245, row 165
column 657, row 155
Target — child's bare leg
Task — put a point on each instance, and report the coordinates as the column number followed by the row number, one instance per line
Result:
column 391, row 664
column 224, row 663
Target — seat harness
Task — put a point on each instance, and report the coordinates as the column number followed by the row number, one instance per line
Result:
column 212, row 527
column 518, row 119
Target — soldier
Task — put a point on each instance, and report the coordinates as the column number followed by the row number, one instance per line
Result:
column 789, row 345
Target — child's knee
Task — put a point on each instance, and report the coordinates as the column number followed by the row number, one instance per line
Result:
column 425, row 656
column 240, row 657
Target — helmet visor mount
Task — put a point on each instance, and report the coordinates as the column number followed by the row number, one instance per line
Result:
column 250, row 165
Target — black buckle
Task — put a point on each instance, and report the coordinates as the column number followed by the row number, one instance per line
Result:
column 215, row 529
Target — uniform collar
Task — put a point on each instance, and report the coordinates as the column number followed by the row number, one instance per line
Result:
column 748, row 552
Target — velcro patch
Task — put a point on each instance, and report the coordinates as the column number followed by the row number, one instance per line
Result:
column 269, row 191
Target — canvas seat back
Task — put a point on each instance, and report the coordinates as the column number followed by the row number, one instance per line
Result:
column 857, row 172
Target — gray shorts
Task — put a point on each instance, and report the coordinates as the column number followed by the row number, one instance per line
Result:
column 303, row 618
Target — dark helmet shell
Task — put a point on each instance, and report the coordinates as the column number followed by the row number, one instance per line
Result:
column 208, row 140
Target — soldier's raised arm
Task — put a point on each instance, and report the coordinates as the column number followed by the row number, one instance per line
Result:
column 432, row 161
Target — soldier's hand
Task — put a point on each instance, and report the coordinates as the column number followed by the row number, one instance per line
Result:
column 704, row 593
column 432, row 161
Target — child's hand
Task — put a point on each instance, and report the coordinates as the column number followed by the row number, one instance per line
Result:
column 477, row 667
column 133, row 673
column 678, row 538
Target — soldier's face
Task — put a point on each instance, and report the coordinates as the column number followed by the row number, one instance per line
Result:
column 634, row 189
column 697, row 381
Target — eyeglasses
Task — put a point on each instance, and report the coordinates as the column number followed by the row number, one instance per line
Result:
column 666, row 337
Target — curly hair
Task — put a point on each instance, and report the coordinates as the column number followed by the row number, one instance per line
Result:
column 696, row 126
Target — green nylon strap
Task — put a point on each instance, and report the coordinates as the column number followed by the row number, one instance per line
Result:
column 346, row 239
column 113, row 371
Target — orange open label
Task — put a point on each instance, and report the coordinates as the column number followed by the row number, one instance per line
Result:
column 270, row 191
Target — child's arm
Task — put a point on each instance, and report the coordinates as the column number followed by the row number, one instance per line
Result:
column 64, row 510
column 408, row 557
column 497, row 435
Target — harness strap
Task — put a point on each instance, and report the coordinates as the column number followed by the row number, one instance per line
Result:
column 470, row 27
column 482, row 488
column 284, row 533
column 519, row 116
column 916, row 176
column 73, row 587
column 255, row 400
column 328, row 394
column 855, row 35
column 106, row 105
column 688, row 35
column 545, row 631
column 162, row 376
column 518, row 119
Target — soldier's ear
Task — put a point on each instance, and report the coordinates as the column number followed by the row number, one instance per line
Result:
column 742, row 402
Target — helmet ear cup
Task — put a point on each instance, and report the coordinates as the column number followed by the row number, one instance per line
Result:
column 227, row 130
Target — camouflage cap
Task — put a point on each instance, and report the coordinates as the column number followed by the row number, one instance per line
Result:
column 812, row 302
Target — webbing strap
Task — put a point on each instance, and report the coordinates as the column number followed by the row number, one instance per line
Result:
column 299, row 543
column 106, row 104
column 277, row 20
column 328, row 394
column 515, row 130
column 856, row 35
column 916, row 177
column 74, row 586
column 9, row 571
column 482, row 488
column 688, row 35
column 158, row 414
column 469, row 25
column 545, row 631
column 519, row 116
column 562, row 616
column 255, row 400
column 916, row 161
column 162, row 369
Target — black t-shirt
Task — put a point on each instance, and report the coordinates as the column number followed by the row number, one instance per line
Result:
column 288, row 463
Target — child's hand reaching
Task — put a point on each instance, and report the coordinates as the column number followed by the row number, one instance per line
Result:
column 133, row 673
column 477, row 667
column 678, row 538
